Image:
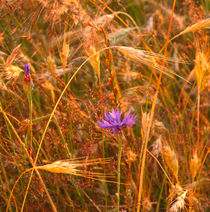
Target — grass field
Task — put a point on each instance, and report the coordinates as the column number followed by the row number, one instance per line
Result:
column 104, row 105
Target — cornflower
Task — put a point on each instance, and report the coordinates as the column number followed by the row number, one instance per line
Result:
column 27, row 77
column 112, row 120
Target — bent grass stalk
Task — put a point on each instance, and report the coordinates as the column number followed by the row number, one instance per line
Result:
column 70, row 167
column 59, row 99
column 47, row 125
column 160, row 167
column 201, row 25
column 30, row 159
column 13, row 188
column 51, row 116
column 180, row 113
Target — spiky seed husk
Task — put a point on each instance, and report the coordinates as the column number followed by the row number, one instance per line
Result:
column 179, row 203
column 202, row 68
column 201, row 25
column 170, row 158
column 78, row 167
column 157, row 146
column 194, row 165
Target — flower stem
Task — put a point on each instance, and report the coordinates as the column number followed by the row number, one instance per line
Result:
column 118, row 174
column 30, row 120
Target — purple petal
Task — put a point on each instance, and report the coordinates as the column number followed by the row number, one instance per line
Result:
column 118, row 114
column 27, row 70
column 114, row 130
column 104, row 124
column 129, row 120
column 112, row 114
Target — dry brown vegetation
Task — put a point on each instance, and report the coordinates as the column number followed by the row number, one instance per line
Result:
column 86, row 57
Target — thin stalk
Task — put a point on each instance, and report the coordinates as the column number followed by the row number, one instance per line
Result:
column 118, row 173
column 62, row 137
column 50, row 118
column 198, row 121
column 30, row 159
column 101, row 97
column 53, row 112
column 11, row 193
column 160, row 195
column 30, row 120
column 152, row 112
column 4, row 175
column 139, row 169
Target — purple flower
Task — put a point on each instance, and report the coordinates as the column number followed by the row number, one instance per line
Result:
column 112, row 120
column 27, row 77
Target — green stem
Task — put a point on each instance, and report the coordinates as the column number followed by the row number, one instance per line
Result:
column 160, row 196
column 28, row 139
column 30, row 119
column 118, row 173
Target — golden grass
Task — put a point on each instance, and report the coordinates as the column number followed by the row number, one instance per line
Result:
column 201, row 25
column 73, row 167
column 170, row 159
column 87, row 57
column 179, row 203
